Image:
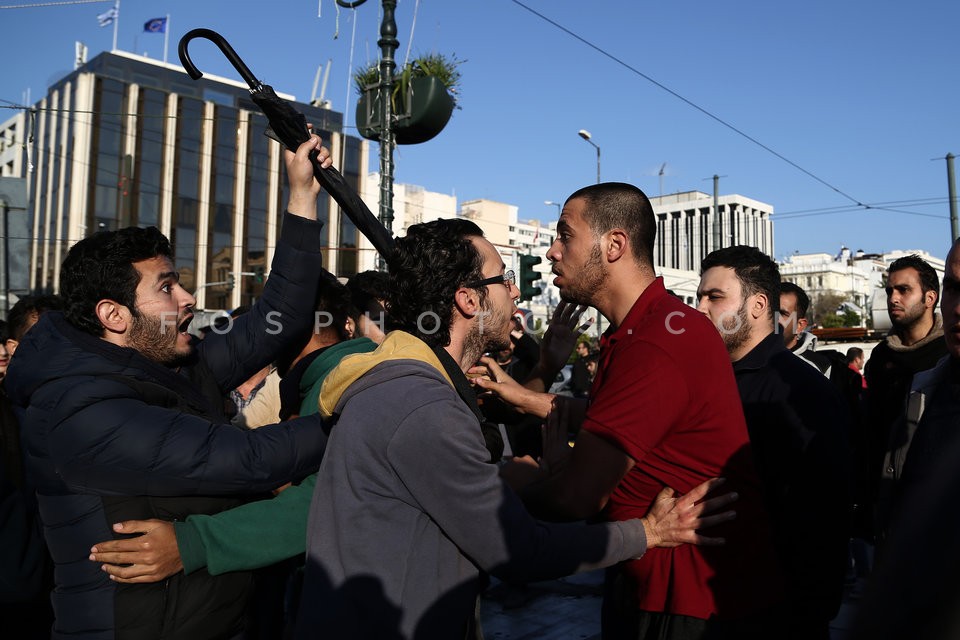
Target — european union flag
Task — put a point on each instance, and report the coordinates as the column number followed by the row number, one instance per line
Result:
column 157, row 25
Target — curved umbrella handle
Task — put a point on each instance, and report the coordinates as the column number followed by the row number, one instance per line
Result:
column 289, row 127
column 227, row 50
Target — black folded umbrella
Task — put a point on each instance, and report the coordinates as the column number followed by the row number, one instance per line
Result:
column 289, row 127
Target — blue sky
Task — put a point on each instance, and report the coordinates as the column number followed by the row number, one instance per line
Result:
column 859, row 98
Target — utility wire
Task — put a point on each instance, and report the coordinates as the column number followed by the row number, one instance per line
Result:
column 689, row 102
column 51, row 4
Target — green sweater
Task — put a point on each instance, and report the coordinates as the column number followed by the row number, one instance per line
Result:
column 265, row 532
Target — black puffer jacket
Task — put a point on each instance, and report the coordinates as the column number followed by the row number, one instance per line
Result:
column 110, row 435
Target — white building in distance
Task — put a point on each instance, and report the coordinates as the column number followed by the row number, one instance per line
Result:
column 859, row 276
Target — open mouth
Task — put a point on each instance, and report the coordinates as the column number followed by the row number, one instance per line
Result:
column 185, row 324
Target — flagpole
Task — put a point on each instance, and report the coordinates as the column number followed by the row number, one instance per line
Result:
column 166, row 38
column 116, row 23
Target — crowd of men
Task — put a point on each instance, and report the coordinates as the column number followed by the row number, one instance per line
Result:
column 726, row 473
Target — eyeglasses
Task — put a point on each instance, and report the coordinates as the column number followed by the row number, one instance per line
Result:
column 508, row 279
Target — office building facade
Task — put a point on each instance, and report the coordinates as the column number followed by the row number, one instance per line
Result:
column 126, row 140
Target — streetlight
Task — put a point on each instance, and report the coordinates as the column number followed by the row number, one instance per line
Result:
column 583, row 133
column 556, row 204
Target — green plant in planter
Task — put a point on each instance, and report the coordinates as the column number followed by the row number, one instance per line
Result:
column 424, row 96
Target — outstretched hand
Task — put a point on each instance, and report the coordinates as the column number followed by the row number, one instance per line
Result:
column 674, row 519
column 150, row 557
column 491, row 377
column 561, row 336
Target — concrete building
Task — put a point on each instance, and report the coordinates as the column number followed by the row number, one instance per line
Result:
column 125, row 140
column 858, row 276
column 688, row 229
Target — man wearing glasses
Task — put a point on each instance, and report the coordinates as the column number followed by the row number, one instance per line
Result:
column 409, row 515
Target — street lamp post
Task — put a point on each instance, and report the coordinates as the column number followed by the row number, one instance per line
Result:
column 555, row 204
column 583, row 133
column 388, row 44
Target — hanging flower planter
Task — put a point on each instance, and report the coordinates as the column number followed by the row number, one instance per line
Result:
column 423, row 99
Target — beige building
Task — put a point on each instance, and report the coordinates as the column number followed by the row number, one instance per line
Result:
column 125, row 140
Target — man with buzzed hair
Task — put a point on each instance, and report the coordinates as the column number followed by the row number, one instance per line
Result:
column 651, row 422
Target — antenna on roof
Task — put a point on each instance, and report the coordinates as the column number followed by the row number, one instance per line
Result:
column 320, row 101
column 660, row 173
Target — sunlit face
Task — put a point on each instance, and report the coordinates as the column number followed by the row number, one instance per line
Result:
column 950, row 302
column 576, row 256
column 906, row 301
column 791, row 325
column 495, row 322
column 720, row 297
column 164, row 311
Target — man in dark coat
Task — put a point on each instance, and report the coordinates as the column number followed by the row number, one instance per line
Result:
column 798, row 427
column 124, row 420
column 915, row 343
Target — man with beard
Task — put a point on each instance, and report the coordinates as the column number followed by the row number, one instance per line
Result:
column 663, row 412
column 914, row 592
column 915, row 343
column 798, row 426
column 124, row 418
column 408, row 515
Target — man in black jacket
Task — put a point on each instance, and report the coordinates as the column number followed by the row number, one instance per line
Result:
column 915, row 343
column 798, row 427
column 125, row 418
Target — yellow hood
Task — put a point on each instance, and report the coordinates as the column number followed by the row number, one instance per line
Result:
column 398, row 345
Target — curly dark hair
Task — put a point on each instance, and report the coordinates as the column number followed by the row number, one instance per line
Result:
column 101, row 267
column 757, row 272
column 928, row 275
column 426, row 268
column 612, row 205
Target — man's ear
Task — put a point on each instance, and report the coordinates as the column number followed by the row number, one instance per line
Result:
column 758, row 305
column 114, row 316
column 930, row 299
column 467, row 302
column 801, row 324
column 351, row 327
column 616, row 244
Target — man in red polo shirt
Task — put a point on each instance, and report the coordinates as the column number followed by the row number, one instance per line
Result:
column 663, row 411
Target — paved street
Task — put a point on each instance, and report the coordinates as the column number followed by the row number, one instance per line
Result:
column 569, row 609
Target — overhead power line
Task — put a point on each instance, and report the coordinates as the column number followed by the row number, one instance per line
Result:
column 51, row 4
column 689, row 102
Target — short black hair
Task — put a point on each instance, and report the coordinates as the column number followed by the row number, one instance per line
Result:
column 757, row 272
column 928, row 275
column 803, row 300
column 21, row 316
column 334, row 298
column 101, row 267
column 426, row 268
column 368, row 290
column 612, row 205
column 853, row 353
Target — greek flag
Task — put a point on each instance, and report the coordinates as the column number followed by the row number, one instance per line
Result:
column 107, row 17
column 157, row 25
